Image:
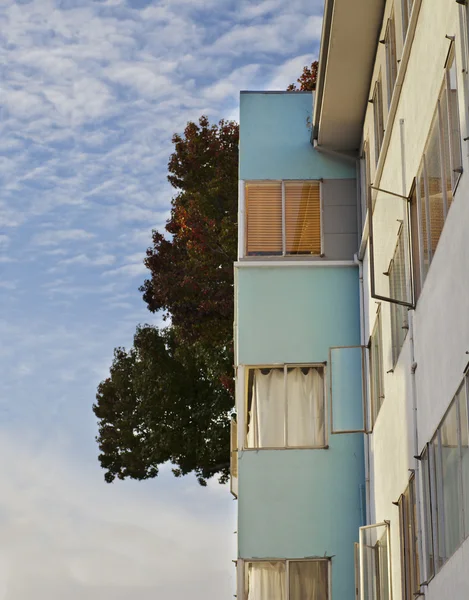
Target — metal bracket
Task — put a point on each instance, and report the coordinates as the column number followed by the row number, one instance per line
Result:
column 390, row 193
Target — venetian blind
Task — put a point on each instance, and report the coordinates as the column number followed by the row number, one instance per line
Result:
column 263, row 218
column 303, row 217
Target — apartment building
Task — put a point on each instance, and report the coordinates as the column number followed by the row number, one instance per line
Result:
column 353, row 267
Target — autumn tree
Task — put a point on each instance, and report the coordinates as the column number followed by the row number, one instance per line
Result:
column 307, row 79
column 169, row 398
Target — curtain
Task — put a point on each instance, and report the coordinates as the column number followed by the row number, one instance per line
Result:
column 305, row 397
column 309, row 580
column 266, row 427
column 265, row 581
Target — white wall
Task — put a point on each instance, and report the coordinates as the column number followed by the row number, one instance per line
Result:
column 441, row 318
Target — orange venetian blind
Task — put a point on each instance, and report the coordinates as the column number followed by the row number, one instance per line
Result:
column 263, row 218
column 303, row 217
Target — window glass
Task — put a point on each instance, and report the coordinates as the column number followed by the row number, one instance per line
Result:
column 462, row 399
column 308, row 580
column 391, row 58
column 450, row 458
column 302, row 217
column 376, row 371
column 286, row 407
column 378, row 118
column 374, row 562
column 433, row 165
column 398, row 290
column 265, row 580
column 427, row 515
column 266, row 408
column 263, row 218
column 454, row 123
column 305, row 407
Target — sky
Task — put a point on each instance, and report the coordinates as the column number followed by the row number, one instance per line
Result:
column 91, row 92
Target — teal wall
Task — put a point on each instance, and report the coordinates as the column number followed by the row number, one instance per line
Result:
column 295, row 314
column 303, row 503
column 275, row 139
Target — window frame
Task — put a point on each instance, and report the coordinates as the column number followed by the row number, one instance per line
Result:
column 406, row 12
column 398, row 308
column 378, row 116
column 284, row 254
column 378, row 334
column 434, row 498
column 408, row 527
column 390, row 56
column 285, row 367
column 362, row 588
column 287, row 561
column 364, row 391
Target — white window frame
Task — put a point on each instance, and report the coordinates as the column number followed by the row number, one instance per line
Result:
column 285, row 367
column 397, row 308
column 242, row 218
column 410, row 556
column 391, row 56
column 242, row 564
column 362, row 531
column 406, row 11
column 234, row 456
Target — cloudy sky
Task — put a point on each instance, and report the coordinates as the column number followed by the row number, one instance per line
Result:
column 90, row 94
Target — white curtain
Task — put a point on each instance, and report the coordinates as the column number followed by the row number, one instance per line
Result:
column 309, row 580
column 265, row 581
column 266, row 428
column 305, row 397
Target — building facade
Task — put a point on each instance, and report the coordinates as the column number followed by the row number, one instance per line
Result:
column 352, row 324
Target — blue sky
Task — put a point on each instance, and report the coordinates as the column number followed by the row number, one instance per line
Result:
column 91, row 93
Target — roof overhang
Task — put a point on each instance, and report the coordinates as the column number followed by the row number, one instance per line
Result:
column 349, row 40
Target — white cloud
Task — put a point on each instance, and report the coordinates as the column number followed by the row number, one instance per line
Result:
column 52, row 238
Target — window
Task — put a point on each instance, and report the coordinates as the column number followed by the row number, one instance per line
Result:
column 375, row 576
column 409, row 546
column 234, row 457
column 397, row 285
column 283, row 218
column 366, row 180
column 446, row 484
column 391, row 57
column 286, row 580
column 440, row 169
column 406, row 12
column 286, row 407
column 376, row 369
column 378, row 117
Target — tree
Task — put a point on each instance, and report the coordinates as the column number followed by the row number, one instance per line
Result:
column 170, row 397
column 307, row 79
column 158, row 405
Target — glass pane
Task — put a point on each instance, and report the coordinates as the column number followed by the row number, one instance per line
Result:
column 266, row 408
column 413, row 541
column 454, row 125
column 427, row 507
column 346, row 371
column 451, row 488
column 309, row 580
column 263, row 202
column 437, row 502
column 424, row 223
column 398, row 286
column 443, row 107
column 265, row 581
column 378, row 118
column 464, row 453
column 305, row 407
column 433, row 165
column 303, row 217
column 377, row 394
column 374, row 582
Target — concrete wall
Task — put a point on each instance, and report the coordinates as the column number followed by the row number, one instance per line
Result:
column 291, row 314
column 303, row 503
column 275, row 139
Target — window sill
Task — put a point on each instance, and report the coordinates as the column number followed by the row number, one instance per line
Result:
column 286, row 448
